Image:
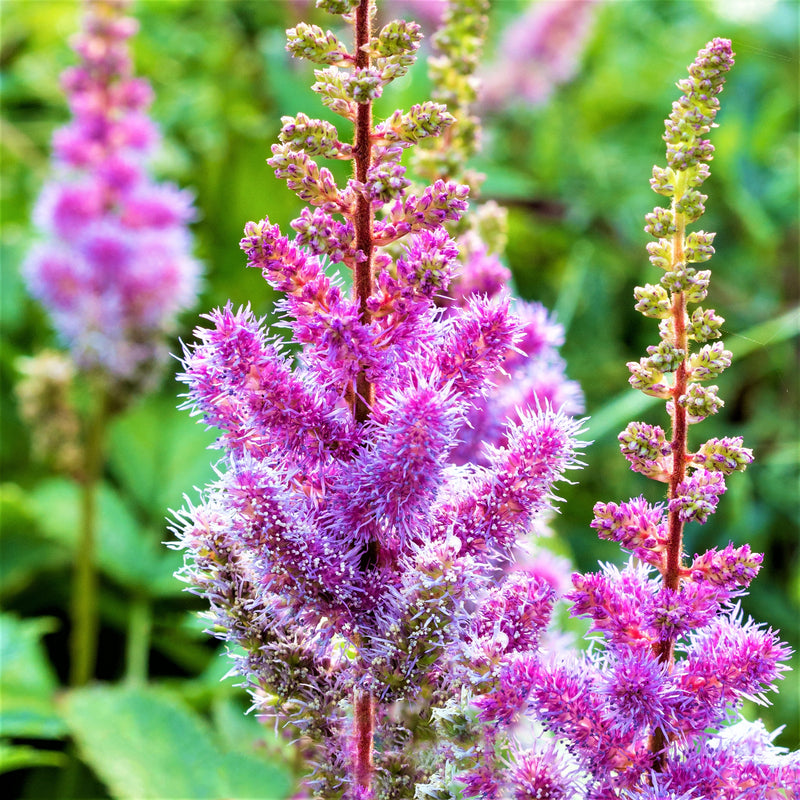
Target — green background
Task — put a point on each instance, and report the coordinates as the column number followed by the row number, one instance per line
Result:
column 574, row 173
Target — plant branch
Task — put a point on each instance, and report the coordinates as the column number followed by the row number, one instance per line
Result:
column 84, row 607
column 363, row 219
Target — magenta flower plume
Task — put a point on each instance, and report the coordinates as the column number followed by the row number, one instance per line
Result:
column 113, row 267
column 539, row 51
column 341, row 547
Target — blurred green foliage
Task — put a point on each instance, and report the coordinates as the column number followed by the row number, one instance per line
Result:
column 574, row 173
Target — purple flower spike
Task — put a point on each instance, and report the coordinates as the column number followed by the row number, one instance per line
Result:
column 113, row 267
column 355, row 565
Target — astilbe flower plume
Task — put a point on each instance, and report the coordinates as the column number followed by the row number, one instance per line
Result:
column 341, row 548
column 113, row 266
column 647, row 711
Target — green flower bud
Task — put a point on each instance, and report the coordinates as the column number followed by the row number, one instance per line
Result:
column 665, row 357
column 660, row 222
column 700, row 401
column 710, row 361
column 678, row 280
column 337, row 6
column 363, row 85
column 697, row 290
column 647, row 378
column 311, row 42
column 396, row 38
column 691, row 205
column 663, row 181
column 419, row 122
column 704, row 325
column 698, row 246
column 697, row 174
column 652, row 301
column 305, row 178
column 315, row 137
column 330, row 88
column 660, row 253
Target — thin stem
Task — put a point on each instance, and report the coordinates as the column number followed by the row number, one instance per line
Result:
column 671, row 576
column 137, row 651
column 363, row 703
column 364, row 726
column 364, row 215
column 84, row 607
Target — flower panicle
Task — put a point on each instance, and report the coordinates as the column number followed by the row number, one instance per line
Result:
column 646, row 711
column 344, row 545
column 113, row 266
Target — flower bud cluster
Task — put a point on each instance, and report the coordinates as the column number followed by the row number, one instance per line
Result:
column 113, row 266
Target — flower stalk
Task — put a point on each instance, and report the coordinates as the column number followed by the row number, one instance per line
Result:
column 84, row 614
column 364, row 214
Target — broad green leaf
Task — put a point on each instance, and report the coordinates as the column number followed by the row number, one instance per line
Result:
column 21, row 757
column 27, row 681
column 144, row 743
column 238, row 729
column 25, row 552
column 159, row 452
column 129, row 553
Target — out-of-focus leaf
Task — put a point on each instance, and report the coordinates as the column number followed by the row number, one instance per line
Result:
column 127, row 552
column 237, row 729
column 27, row 681
column 143, row 743
column 25, row 553
column 21, row 756
column 159, row 452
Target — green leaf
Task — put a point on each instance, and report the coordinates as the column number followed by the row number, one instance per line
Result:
column 127, row 552
column 158, row 453
column 27, row 681
column 144, row 743
column 20, row 757
column 25, row 553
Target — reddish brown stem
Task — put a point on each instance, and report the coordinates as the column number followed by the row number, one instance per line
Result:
column 671, row 576
column 362, row 397
column 363, row 218
column 364, row 725
column 672, row 571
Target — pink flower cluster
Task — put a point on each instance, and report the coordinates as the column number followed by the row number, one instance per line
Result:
column 540, row 51
column 113, row 267
column 358, row 567
column 647, row 711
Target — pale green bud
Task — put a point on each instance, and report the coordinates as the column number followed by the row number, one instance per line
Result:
column 710, row 361
column 660, row 222
column 652, row 301
column 700, row 401
column 311, row 42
